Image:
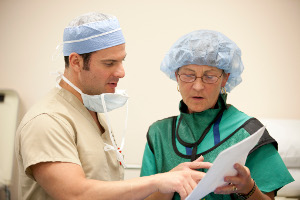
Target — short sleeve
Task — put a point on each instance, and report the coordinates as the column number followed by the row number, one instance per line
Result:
column 149, row 164
column 46, row 138
column 268, row 169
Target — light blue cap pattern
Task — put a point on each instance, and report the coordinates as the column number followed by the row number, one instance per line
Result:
column 92, row 37
column 205, row 47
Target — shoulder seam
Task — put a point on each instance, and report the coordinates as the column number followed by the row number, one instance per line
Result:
column 148, row 137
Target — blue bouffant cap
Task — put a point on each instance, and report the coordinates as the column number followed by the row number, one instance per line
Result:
column 205, row 47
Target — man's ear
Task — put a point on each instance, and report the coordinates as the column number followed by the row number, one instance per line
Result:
column 76, row 62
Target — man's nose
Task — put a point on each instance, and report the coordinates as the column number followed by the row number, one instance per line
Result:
column 120, row 71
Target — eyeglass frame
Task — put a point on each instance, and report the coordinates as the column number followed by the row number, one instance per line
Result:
column 195, row 77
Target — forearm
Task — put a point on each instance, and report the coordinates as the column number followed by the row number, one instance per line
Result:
column 161, row 196
column 88, row 189
column 255, row 193
column 67, row 181
column 261, row 196
column 133, row 189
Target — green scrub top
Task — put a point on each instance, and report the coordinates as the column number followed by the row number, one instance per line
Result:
column 265, row 164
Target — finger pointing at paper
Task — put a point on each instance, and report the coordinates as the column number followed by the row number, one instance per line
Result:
column 196, row 164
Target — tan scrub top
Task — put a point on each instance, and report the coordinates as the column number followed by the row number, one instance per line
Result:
column 60, row 129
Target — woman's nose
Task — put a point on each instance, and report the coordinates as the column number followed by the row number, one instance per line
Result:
column 198, row 84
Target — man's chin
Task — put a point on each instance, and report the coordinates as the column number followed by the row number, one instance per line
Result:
column 110, row 90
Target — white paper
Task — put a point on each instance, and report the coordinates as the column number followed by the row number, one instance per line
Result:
column 223, row 166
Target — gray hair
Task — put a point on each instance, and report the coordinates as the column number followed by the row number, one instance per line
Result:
column 88, row 18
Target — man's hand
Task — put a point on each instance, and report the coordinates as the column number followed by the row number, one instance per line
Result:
column 182, row 182
column 196, row 164
column 186, row 176
column 67, row 181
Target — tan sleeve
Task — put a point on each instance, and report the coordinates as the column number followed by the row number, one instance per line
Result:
column 47, row 139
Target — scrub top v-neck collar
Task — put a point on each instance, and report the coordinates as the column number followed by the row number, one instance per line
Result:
column 191, row 147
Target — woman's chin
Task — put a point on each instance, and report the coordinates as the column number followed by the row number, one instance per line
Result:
column 196, row 109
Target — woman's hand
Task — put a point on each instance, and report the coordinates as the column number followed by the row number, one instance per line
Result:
column 241, row 183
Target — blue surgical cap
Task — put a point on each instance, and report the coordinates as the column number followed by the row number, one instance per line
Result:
column 205, row 47
column 92, row 36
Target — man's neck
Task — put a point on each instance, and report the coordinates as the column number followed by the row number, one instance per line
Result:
column 66, row 86
column 95, row 117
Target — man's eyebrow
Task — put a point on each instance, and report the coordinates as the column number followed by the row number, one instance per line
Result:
column 112, row 60
column 109, row 60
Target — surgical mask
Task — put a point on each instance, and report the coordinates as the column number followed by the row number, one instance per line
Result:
column 95, row 103
column 104, row 103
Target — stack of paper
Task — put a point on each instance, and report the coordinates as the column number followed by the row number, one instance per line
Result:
column 223, row 166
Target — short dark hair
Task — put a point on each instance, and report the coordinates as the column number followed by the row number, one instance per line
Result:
column 86, row 60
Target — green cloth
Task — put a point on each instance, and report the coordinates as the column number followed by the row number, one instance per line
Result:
column 163, row 151
column 196, row 123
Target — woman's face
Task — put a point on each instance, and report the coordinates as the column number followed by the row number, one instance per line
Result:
column 197, row 95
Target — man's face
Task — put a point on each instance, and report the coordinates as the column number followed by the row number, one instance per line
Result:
column 105, row 70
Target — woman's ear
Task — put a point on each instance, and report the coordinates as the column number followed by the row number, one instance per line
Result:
column 76, row 62
column 225, row 78
column 176, row 75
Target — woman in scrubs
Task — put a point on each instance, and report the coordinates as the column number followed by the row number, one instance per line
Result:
column 206, row 65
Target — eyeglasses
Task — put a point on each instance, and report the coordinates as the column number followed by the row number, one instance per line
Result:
column 189, row 78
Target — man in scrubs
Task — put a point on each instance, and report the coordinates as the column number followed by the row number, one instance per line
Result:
column 64, row 147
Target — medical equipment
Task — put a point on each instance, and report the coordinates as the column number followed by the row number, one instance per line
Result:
column 9, row 105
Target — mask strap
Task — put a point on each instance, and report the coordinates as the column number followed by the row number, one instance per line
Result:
column 58, row 75
column 125, row 127
column 114, row 147
column 71, row 84
column 58, row 51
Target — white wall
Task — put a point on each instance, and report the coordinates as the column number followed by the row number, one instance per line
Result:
column 267, row 31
